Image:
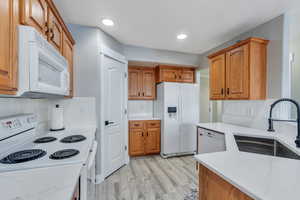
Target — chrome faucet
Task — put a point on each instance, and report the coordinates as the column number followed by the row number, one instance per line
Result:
column 271, row 128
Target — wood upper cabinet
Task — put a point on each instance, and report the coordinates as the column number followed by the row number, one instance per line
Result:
column 166, row 73
column 144, row 137
column 187, row 75
column 239, row 72
column 213, row 187
column 141, row 83
column 8, row 45
column 45, row 18
column 148, row 84
column 34, row 13
column 217, row 77
column 55, row 33
column 67, row 51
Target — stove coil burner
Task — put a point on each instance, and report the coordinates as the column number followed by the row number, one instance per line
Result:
column 63, row 154
column 45, row 140
column 73, row 139
column 23, row 156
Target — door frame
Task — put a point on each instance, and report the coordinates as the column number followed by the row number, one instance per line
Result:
column 109, row 53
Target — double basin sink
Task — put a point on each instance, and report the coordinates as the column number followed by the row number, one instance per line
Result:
column 264, row 146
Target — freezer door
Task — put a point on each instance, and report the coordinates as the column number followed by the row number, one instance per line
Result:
column 189, row 117
column 170, row 132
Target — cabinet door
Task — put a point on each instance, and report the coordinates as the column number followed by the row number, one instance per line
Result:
column 68, row 54
column 34, row 13
column 187, row 75
column 136, row 142
column 237, row 73
column 8, row 45
column 55, row 34
column 217, row 77
column 213, row 187
column 148, row 84
column 134, row 83
column 169, row 75
column 152, row 144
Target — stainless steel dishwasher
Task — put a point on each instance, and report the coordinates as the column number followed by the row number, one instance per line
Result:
column 210, row 141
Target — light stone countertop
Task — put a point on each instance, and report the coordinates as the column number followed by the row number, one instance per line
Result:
column 259, row 176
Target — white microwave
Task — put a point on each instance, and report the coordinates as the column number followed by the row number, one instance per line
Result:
column 43, row 71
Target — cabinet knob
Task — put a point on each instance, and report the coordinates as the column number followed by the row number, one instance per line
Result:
column 227, row 91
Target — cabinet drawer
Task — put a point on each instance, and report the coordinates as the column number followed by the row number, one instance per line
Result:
column 153, row 124
column 136, row 124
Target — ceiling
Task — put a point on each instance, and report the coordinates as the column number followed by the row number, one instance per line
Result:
column 156, row 23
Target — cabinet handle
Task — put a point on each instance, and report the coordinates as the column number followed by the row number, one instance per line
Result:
column 175, row 76
column 143, row 134
column 222, row 91
column 143, row 94
column 139, row 94
column 228, row 91
column 52, row 36
column 147, row 134
column 46, row 28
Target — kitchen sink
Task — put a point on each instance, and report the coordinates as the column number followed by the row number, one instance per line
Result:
column 264, row 146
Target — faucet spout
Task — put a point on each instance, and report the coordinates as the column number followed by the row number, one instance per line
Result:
column 271, row 120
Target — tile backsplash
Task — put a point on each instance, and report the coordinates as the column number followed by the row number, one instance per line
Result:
column 255, row 114
column 140, row 109
column 13, row 106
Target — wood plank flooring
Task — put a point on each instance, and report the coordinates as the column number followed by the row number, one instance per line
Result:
column 151, row 178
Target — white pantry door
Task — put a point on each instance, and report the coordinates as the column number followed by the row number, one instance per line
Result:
column 114, row 116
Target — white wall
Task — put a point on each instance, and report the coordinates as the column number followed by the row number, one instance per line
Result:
column 134, row 53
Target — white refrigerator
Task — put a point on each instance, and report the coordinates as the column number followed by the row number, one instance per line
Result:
column 177, row 106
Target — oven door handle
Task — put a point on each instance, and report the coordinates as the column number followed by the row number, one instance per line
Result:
column 92, row 155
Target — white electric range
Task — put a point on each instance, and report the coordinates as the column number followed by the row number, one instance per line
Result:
column 22, row 148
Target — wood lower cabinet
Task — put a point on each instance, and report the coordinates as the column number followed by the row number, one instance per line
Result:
column 239, row 72
column 144, row 137
column 9, row 10
column 141, row 83
column 167, row 73
column 152, row 143
column 213, row 187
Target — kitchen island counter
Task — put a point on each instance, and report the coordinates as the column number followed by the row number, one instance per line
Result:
column 261, row 177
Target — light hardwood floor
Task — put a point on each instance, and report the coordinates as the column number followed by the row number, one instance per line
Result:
column 151, row 178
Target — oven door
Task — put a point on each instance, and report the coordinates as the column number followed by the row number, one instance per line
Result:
column 48, row 70
column 88, row 176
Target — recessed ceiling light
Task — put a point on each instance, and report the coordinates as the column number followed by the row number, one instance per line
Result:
column 181, row 36
column 108, row 22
